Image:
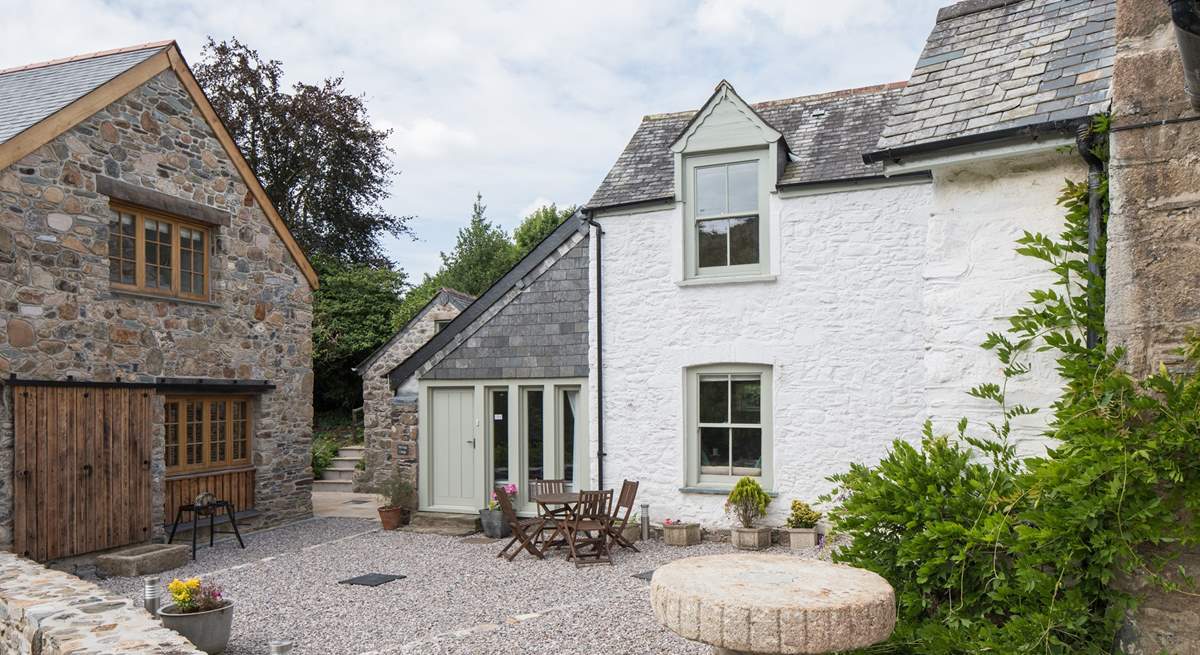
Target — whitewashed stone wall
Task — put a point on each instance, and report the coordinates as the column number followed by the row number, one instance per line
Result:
column 842, row 326
column 974, row 280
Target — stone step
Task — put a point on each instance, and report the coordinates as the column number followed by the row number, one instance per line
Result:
column 332, row 473
column 444, row 523
column 352, row 461
column 352, row 452
column 343, row 486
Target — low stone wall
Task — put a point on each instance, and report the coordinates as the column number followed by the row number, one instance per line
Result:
column 45, row 612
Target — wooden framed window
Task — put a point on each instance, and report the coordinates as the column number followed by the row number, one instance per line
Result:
column 729, row 424
column 157, row 253
column 206, row 433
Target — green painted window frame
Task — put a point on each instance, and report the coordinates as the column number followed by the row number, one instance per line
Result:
column 692, row 269
column 692, row 425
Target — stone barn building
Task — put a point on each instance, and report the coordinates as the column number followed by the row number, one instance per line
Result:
column 155, row 313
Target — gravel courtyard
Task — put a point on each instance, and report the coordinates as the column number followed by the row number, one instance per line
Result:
column 458, row 596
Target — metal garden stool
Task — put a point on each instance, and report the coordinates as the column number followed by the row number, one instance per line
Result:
column 207, row 505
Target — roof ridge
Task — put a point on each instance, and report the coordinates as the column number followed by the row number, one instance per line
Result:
column 968, row 7
column 853, row 91
column 88, row 55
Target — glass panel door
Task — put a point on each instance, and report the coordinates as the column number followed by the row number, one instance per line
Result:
column 498, row 411
column 567, row 419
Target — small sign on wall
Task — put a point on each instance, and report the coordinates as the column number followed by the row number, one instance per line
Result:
column 402, row 450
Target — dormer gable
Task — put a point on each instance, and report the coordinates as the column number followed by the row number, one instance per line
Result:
column 725, row 122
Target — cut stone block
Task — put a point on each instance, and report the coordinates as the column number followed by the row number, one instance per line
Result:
column 143, row 560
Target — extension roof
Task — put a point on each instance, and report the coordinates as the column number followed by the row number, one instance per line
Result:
column 38, row 102
column 825, row 133
column 995, row 68
column 444, row 296
column 405, row 369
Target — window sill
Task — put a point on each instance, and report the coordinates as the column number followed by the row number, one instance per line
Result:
column 158, row 298
column 715, row 491
column 726, row 279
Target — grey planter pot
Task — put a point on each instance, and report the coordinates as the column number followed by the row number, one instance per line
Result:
column 750, row 538
column 208, row 631
column 494, row 524
column 802, row 538
column 681, row 534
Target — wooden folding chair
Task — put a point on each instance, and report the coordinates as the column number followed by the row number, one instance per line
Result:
column 590, row 526
column 621, row 514
column 525, row 531
column 553, row 517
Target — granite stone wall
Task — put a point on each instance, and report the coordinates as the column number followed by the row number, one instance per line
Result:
column 59, row 316
column 1153, row 290
column 390, row 423
column 46, row 612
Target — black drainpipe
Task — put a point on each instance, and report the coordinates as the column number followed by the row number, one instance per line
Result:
column 599, row 356
column 1185, row 14
column 1085, row 139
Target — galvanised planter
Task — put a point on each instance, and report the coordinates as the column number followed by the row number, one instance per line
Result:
column 493, row 523
column 208, row 631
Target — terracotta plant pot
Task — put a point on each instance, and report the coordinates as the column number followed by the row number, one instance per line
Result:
column 750, row 538
column 208, row 631
column 394, row 517
column 681, row 534
column 801, row 538
column 493, row 523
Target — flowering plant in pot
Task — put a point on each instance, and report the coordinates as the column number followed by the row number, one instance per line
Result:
column 679, row 533
column 492, row 518
column 747, row 502
column 802, row 525
column 398, row 495
column 200, row 612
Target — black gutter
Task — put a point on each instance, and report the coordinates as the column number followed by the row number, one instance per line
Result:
column 1085, row 141
column 600, row 454
column 852, row 181
column 1033, row 132
column 1185, row 14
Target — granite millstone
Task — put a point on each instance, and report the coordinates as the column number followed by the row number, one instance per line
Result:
column 773, row 603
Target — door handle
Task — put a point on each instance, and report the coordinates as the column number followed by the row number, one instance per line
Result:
column 87, row 470
column 472, row 442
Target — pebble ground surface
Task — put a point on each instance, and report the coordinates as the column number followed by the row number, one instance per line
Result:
column 458, row 597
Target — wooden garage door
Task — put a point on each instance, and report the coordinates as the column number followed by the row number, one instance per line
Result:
column 82, row 468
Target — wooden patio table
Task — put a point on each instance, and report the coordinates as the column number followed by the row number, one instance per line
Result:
column 549, row 503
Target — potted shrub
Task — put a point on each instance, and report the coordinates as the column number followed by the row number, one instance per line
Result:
column 748, row 503
column 802, row 525
column 398, row 494
column 200, row 613
column 492, row 518
column 678, row 533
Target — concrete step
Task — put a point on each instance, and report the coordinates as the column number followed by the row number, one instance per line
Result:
column 352, row 461
column 337, row 474
column 352, row 452
column 444, row 523
column 343, row 486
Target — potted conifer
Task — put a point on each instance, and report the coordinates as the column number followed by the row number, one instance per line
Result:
column 802, row 525
column 748, row 503
column 200, row 612
column 398, row 494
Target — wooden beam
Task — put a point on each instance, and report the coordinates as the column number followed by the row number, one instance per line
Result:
column 235, row 155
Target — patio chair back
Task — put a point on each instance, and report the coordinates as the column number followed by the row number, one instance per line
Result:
column 594, row 505
column 625, row 502
column 543, row 487
column 506, row 506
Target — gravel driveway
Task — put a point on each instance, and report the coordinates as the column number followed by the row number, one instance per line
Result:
column 458, row 596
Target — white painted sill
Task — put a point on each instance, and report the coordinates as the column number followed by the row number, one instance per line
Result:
column 716, row 491
column 731, row 279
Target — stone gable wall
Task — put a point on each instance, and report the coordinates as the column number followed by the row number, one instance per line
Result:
column 60, row 317
column 45, row 612
column 390, row 423
column 1153, row 290
column 541, row 332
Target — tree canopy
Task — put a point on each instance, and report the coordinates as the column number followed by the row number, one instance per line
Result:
column 323, row 164
column 539, row 225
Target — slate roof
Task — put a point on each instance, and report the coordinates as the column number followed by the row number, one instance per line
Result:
column 30, row 94
column 826, row 134
column 444, row 296
column 1002, row 65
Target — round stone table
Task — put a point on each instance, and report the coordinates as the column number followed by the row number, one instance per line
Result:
column 756, row 603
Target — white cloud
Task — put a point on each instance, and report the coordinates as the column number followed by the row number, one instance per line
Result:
column 517, row 100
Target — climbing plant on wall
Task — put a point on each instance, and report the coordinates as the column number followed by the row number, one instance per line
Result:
column 989, row 552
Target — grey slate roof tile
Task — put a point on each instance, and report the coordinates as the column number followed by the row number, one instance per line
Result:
column 30, row 94
column 826, row 134
column 1054, row 55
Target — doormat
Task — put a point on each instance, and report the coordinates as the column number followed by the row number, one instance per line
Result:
column 644, row 576
column 372, row 579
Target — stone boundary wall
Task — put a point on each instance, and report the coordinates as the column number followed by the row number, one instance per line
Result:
column 46, row 612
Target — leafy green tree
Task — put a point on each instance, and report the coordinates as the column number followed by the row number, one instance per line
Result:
column 539, row 225
column 352, row 315
column 323, row 164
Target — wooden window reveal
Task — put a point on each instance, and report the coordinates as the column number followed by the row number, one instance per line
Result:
column 206, row 433
column 158, row 254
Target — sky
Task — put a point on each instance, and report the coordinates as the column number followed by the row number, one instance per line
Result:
column 525, row 102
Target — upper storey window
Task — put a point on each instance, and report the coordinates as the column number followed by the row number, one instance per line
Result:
column 158, row 254
column 726, row 223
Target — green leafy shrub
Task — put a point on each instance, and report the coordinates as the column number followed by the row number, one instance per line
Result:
column 397, row 491
column 747, row 502
column 992, row 553
column 803, row 515
column 324, row 449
